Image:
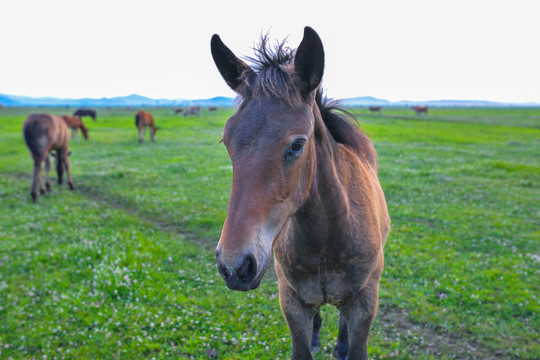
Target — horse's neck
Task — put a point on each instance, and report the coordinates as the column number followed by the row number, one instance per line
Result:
column 325, row 212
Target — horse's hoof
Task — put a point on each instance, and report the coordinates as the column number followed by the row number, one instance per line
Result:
column 48, row 186
column 42, row 191
column 34, row 197
column 71, row 186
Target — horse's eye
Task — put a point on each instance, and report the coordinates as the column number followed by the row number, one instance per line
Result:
column 297, row 147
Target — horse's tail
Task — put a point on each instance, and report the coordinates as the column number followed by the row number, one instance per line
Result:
column 138, row 119
column 35, row 136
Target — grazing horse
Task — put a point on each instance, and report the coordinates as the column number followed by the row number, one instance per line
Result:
column 86, row 112
column 212, row 108
column 375, row 109
column 192, row 110
column 420, row 109
column 75, row 123
column 142, row 120
column 178, row 111
column 43, row 133
column 304, row 186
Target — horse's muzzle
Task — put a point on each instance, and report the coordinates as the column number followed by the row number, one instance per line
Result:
column 242, row 275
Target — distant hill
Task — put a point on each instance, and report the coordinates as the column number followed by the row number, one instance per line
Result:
column 371, row 101
column 365, row 101
column 135, row 100
column 130, row 100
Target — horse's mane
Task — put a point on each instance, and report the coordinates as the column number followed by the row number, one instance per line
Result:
column 274, row 76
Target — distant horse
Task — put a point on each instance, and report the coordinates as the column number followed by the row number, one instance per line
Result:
column 75, row 123
column 212, row 108
column 304, row 186
column 142, row 120
column 178, row 111
column 1, row 106
column 86, row 112
column 420, row 109
column 43, row 133
column 375, row 109
column 192, row 110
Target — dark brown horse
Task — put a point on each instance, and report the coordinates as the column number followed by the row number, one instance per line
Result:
column 304, row 186
column 142, row 120
column 86, row 112
column 178, row 110
column 75, row 123
column 375, row 109
column 43, row 133
column 420, row 109
column 212, row 108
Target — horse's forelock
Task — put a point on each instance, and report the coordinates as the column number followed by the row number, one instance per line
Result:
column 273, row 73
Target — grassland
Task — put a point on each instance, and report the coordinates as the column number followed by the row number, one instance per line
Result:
column 123, row 267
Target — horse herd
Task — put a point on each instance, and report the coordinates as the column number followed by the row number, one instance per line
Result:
column 305, row 187
column 418, row 109
column 44, row 133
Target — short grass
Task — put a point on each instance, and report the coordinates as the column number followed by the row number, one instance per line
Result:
column 123, row 267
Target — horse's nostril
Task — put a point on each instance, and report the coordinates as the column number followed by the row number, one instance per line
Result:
column 223, row 271
column 248, row 269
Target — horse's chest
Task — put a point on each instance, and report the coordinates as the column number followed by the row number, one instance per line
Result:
column 319, row 285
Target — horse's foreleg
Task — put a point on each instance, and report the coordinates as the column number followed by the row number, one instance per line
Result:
column 47, row 173
column 152, row 133
column 299, row 318
column 75, row 134
column 358, row 315
column 342, row 347
column 316, row 336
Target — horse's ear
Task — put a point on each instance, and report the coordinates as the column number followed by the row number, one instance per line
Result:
column 309, row 60
column 230, row 67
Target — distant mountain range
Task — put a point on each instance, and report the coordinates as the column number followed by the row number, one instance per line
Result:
column 142, row 101
column 130, row 100
column 371, row 101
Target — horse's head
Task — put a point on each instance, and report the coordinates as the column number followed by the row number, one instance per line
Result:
column 84, row 131
column 83, row 128
column 270, row 140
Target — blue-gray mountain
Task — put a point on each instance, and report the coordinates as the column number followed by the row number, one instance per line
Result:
column 221, row 101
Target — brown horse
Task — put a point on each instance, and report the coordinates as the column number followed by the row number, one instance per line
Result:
column 178, row 111
column 212, row 108
column 420, row 109
column 304, row 186
column 375, row 109
column 142, row 120
column 43, row 133
column 192, row 110
column 75, row 123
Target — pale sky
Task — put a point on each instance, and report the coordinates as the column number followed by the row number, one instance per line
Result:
column 395, row 50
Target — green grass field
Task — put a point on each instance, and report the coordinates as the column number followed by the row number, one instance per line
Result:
column 123, row 267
